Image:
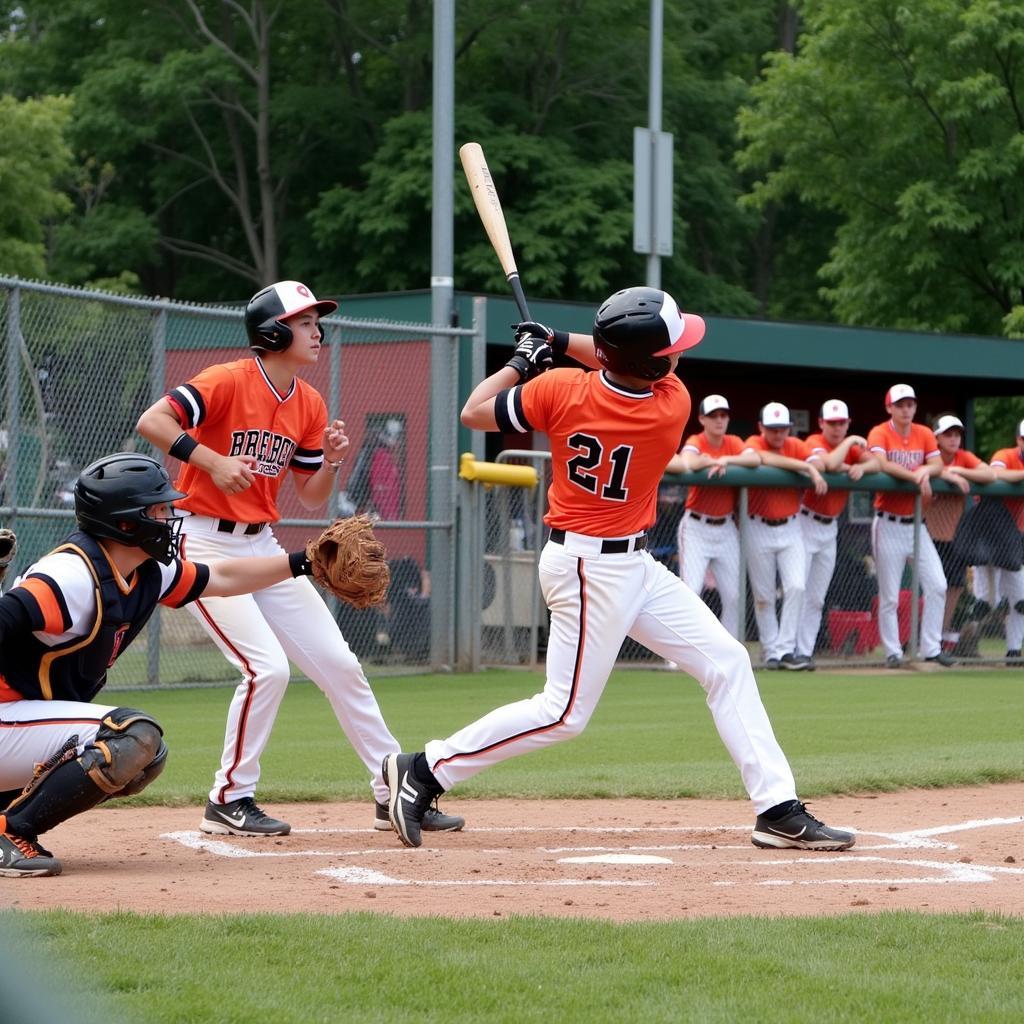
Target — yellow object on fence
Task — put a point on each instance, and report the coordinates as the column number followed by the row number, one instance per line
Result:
column 496, row 473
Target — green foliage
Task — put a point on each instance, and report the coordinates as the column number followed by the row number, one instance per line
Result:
column 904, row 120
column 33, row 159
column 896, row 967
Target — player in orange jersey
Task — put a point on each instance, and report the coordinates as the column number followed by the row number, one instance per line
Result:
column 840, row 452
column 1008, row 465
column 707, row 536
column 771, row 538
column 241, row 428
column 65, row 621
column 907, row 451
column 611, row 436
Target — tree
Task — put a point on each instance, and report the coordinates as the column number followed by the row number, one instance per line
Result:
column 906, row 122
column 36, row 156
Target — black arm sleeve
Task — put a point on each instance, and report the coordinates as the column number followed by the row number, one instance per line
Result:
column 14, row 619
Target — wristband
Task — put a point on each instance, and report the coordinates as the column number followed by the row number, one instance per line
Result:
column 300, row 564
column 333, row 466
column 183, row 447
column 520, row 365
column 559, row 342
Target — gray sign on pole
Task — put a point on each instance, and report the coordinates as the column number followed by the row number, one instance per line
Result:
column 652, row 192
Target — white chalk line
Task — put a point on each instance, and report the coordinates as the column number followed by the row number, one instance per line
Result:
column 956, row 873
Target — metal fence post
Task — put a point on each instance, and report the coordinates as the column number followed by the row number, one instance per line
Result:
column 914, row 640
column 157, row 376
column 741, row 515
column 13, row 399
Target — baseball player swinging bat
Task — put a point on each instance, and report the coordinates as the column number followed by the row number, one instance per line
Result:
column 488, row 205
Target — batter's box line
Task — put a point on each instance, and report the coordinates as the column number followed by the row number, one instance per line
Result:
column 367, row 876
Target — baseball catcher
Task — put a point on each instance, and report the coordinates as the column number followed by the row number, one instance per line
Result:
column 348, row 560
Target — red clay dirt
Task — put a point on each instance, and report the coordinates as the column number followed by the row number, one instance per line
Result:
column 929, row 850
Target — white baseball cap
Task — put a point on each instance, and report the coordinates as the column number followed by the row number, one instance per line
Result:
column 944, row 423
column 1020, row 429
column 834, row 409
column 712, row 403
column 898, row 392
column 775, row 414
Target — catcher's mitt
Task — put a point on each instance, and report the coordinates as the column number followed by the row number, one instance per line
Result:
column 8, row 547
column 349, row 561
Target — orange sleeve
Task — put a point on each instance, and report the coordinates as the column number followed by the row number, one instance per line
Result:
column 52, row 616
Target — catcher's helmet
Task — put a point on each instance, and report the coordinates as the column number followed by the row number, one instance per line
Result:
column 267, row 309
column 637, row 329
column 112, row 499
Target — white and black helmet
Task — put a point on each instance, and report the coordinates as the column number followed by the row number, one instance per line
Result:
column 267, row 309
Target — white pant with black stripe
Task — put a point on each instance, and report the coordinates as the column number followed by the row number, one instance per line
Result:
column 596, row 600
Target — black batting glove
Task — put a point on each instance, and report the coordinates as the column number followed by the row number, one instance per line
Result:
column 557, row 340
column 532, row 357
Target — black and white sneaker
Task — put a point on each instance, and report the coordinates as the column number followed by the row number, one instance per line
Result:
column 799, row 830
column 794, row 662
column 409, row 799
column 21, row 858
column 241, row 818
column 943, row 658
column 435, row 820
column 893, row 661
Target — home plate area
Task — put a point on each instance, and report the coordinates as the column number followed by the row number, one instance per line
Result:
column 656, row 859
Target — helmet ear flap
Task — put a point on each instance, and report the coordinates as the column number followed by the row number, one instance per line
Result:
column 273, row 336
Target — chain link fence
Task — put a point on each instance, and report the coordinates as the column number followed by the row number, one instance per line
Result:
column 78, row 369
column 852, row 603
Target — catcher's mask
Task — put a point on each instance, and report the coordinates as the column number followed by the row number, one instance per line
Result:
column 113, row 497
column 637, row 329
column 268, row 309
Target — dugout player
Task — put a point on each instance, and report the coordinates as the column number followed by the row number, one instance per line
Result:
column 64, row 622
column 906, row 451
column 611, row 435
column 240, row 428
column 840, row 452
column 771, row 538
column 707, row 536
column 1008, row 465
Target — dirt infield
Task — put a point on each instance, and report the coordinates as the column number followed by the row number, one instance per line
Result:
column 934, row 850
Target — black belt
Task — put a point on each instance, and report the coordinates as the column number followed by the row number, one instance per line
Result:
column 818, row 519
column 608, row 547
column 896, row 519
column 771, row 522
column 228, row 526
column 707, row 519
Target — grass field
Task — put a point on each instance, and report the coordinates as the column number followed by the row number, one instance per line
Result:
column 652, row 736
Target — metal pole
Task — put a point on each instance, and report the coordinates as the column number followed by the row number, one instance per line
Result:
column 443, row 361
column 741, row 515
column 657, row 32
column 913, row 643
column 157, row 377
column 13, row 400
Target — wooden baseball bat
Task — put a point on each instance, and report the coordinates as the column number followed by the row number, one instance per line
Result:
column 488, row 206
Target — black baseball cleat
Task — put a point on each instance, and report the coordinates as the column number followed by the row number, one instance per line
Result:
column 408, row 801
column 21, row 858
column 241, row 818
column 794, row 662
column 942, row 658
column 894, row 661
column 799, row 830
column 435, row 820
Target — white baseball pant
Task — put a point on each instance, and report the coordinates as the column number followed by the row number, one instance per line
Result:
column 715, row 546
column 771, row 551
column 892, row 543
column 992, row 585
column 819, row 541
column 258, row 633
column 32, row 731
column 596, row 600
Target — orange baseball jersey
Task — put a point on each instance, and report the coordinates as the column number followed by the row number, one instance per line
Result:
column 945, row 510
column 776, row 502
column 1011, row 458
column 833, row 501
column 713, row 501
column 609, row 445
column 910, row 452
column 234, row 409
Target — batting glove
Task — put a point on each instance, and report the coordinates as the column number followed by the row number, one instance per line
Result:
column 532, row 357
column 557, row 340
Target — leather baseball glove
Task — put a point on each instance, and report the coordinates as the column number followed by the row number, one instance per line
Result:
column 348, row 560
column 8, row 547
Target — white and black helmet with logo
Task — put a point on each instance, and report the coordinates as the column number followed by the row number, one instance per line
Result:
column 637, row 329
column 267, row 310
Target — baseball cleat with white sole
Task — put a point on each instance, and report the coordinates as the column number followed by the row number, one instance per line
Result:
column 799, row 830
column 241, row 818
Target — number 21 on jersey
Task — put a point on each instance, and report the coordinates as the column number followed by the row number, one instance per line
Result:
column 591, row 454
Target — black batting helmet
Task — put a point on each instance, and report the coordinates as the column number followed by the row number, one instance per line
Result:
column 637, row 329
column 112, row 500
column 267, row 309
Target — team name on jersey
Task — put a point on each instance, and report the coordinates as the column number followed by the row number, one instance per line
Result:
column 271, row 451
column 907, row 459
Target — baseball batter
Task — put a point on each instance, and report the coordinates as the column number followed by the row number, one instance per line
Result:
column 240, row 428
column 771, row 538
column 907, row 451
column 707, row 536
column 611, row 435
column 65, row 622
column 840, row 452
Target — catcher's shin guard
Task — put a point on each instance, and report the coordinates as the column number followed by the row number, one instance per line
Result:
column 127, row 754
